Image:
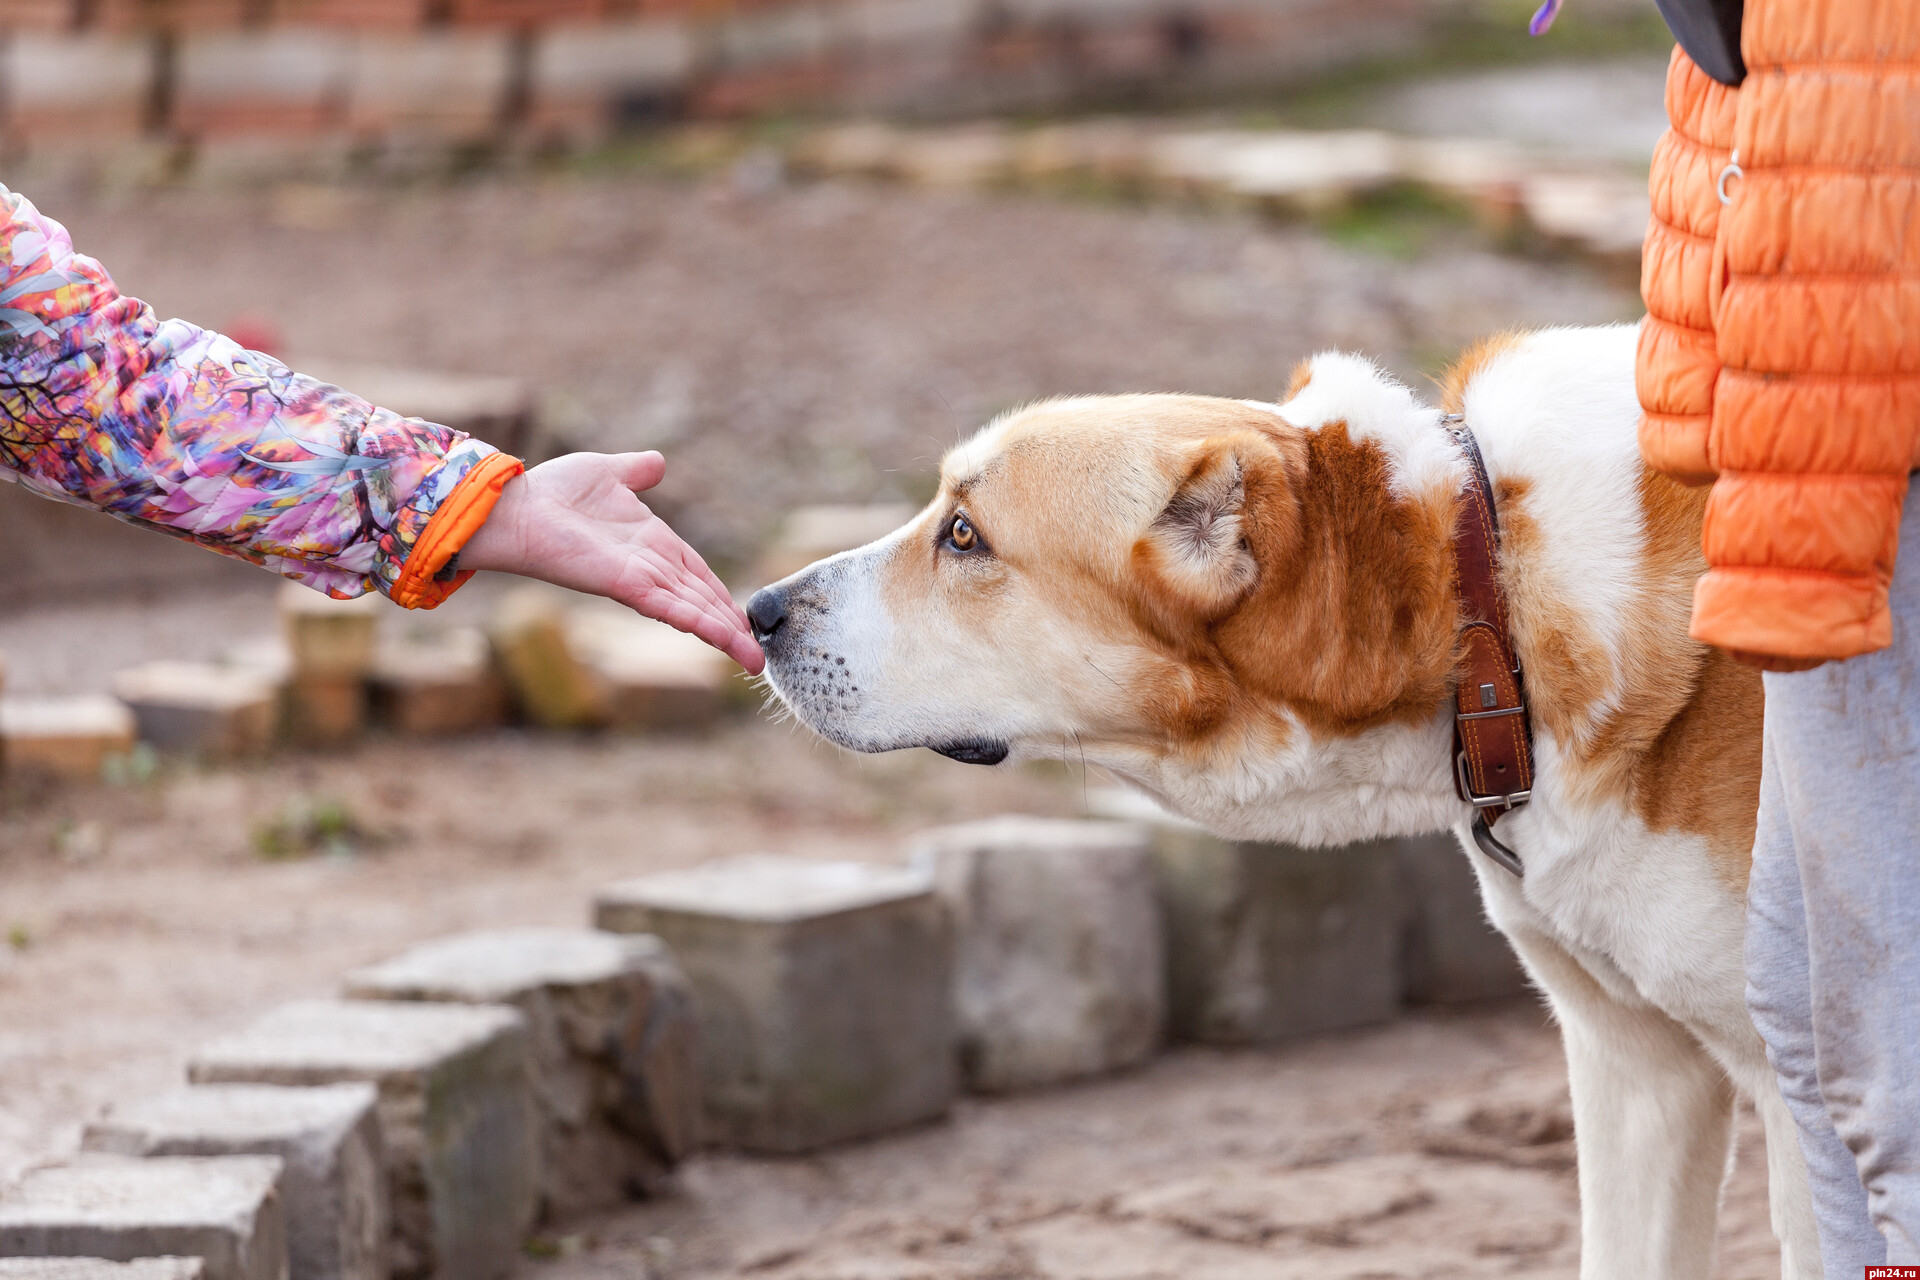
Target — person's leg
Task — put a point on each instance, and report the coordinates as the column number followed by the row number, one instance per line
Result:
column 1780, row 999
column 1846, row 745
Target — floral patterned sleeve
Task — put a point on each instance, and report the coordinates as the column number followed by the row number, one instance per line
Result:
column 178, row 429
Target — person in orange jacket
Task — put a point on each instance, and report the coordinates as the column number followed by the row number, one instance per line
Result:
column 177, row 429
column 1780, row 362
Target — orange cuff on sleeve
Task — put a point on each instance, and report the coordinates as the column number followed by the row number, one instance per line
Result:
column 1791, row 613
column 457, row 520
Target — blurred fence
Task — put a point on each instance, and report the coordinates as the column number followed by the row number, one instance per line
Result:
column 361, row 72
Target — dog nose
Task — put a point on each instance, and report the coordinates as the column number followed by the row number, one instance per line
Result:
column 766, row 611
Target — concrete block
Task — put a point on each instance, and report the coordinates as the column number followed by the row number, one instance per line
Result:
column 438, row 684
column 1059, row 964
column 333, row 1180
column 272, row 82
column 584, row 78
column 1268, row 942
column 554, row 688
column 611, row 1020
column 1449, row 954
column 823, row 992
column 442, row 84
column 970, row 156
column 70, row 737
column 68, row 86
column 327, row 636
column 216, row 711
column 813, row 533
column 653, row 676
column 456, row 1115
column 225, row 1210
column 325, row 710
column 1304, row 168
column 1601, row 213
column 101, row 1269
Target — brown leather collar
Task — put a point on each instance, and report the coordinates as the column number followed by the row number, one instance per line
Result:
column 1492, row 733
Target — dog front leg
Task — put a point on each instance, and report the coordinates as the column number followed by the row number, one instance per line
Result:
column 1652, row 1119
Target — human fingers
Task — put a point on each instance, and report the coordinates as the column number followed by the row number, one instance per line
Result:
column 682, row 614
column 638, row 472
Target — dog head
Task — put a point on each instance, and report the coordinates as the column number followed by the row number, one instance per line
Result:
column 1165, row 584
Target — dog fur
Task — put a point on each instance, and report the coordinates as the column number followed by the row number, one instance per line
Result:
column 1247, row 611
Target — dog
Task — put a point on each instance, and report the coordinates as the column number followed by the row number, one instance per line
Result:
column 1249, row 612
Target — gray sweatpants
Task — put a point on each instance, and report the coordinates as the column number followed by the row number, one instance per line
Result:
column 1833, row 930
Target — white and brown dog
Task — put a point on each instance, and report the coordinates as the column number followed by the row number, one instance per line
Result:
column 1249, row 611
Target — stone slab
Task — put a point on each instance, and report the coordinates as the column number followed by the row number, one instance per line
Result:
column 224, row 1210
column 101, row 1269
column 67, row 737
column 327, row 1138
column 823, row 992
column 1269, row 942
column 653, row 677
column 611, row 1018
column 438, row 684
column 1060, row 963
column 1450, row 953
column 223, row 712
column 531, row 645
column 456, row 1115
column 327, row 636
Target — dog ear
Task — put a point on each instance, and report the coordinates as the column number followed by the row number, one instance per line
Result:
column 1196, row 548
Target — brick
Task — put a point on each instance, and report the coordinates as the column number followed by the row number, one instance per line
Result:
column 814, row 533
column 65, row 737
column 101, row 1269
column 612, row 1031
column 80, row 86
column 823, row 992
column 1450, row 954
column 499, row 410
column 531, row 645
column 586, row 79
column 522, row 13
column 281, row 82
column 456, row 1116
column 225, row 1210
column 355, row 15
column 438, row 684
column 1269, row 942
column 38, row 15
column 1059, row 963
column 653, row 676
column 442, row 85
column 333, row 1178
column 215, row 711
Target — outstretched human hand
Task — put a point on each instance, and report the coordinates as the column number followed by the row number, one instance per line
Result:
column 577, row 522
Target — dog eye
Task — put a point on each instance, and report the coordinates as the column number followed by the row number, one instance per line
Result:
column 961, row 535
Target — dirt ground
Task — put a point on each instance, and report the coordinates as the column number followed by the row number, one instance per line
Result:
column 784, row 344
column 143, row 920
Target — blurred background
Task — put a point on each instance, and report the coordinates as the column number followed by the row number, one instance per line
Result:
column 802, row 247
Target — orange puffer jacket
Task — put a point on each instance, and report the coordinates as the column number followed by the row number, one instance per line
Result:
column 1781, row 354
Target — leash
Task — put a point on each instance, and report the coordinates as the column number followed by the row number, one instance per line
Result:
column 1492, row 733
